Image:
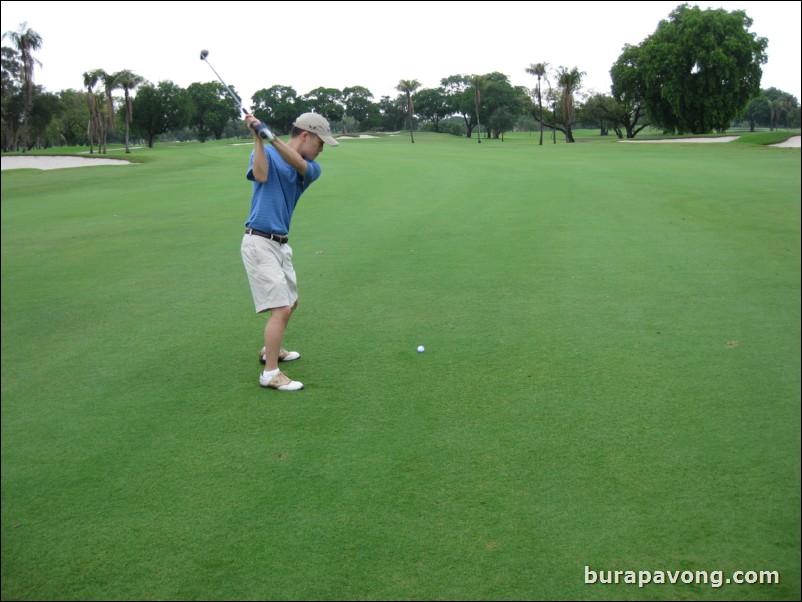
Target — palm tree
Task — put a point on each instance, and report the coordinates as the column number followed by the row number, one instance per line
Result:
column 128, row 80
column 539, row 70
column 408, row 87
column 26, row 41
column 479, row 82
column 94, row 129
column 569, row 82
column 109, row 85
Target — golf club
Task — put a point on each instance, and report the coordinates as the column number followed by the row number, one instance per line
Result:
column 261, row 129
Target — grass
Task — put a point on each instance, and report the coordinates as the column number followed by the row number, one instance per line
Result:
column 611, row 375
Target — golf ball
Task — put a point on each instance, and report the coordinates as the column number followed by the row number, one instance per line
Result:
column 421, row 349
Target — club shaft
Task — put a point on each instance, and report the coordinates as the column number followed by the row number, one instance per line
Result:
column 230, row 91
column 261, row 128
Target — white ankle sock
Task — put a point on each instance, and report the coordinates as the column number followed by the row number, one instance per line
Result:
column 270, row 373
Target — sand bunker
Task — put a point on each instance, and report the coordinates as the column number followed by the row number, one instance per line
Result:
column 54, row 162
column 792, row 142
column 665, row 140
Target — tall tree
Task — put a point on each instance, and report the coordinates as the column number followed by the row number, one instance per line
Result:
column 408, row 87
column 326, row 101
column 359, row 106
column 213, row 109
column 13, row 102
column 109, row 85
column 128, row 80
column 96, row 124
column 392, row 112
column 159, row 109
column 478, row 83
column 780, row 104
column 498, row 96
column 568, row 82
column 459, row 94
column 629, row 91
column 26, row 41
column 699, row 69
column 432, row 104
column 278, row 107
column 539, row 70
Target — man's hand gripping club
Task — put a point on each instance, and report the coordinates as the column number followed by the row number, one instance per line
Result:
column 259, row 128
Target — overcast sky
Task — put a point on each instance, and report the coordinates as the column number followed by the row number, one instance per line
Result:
column 305, row 45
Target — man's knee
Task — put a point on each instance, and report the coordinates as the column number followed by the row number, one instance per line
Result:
column 282, row 313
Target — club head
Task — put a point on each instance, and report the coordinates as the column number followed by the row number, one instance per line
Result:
column 204, row 54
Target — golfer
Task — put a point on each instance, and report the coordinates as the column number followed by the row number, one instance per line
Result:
column 281, row 172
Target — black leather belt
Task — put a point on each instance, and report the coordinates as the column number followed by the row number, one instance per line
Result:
column 282, row 240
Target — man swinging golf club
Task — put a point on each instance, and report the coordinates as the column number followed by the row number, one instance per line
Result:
column 281, row 172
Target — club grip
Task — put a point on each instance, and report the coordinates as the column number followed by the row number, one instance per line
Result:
column 262, row 130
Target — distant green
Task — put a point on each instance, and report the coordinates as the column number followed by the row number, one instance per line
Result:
column 611, row 377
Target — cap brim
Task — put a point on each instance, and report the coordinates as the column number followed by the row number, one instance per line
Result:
column 329, row 140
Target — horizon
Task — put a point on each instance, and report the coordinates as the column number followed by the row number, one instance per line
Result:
column 343, row 59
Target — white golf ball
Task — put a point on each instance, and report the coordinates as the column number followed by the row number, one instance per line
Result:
column 421, row 349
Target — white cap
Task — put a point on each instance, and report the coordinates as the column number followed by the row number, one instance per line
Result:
column 316, row 124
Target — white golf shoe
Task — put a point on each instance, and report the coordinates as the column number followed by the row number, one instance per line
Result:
column 280, row 381
column 283, row 355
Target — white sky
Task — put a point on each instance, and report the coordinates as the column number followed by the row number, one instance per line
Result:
column 305, row 45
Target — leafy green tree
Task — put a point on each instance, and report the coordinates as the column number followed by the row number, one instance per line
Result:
column 327, row 102
column 26, row 41
column 360, row 107
column 278, row 107
column 128, row 80
column 499, row 96
column 781, row 105
column 699, row 69
column 44, row 108
column 159, row 109
column 461, row 99
column 408, row 88
column 593, row 112
column 629, row 93
column 11, row 68
column 70, row 121
column 794, row 118
column 432, row 104
column 392, row 113
column 213, row 109
column 501, row 121
column 13, row 101
column 758, row 111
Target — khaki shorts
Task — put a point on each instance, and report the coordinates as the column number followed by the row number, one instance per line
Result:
column 270, row 272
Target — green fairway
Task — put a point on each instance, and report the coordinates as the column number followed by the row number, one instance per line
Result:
column 611, row 377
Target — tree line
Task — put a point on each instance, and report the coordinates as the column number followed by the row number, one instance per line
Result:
column 699, row 72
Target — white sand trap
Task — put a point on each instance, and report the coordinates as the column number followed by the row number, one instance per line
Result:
column 792, row 142
column 702, row 140
column 53, row 162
